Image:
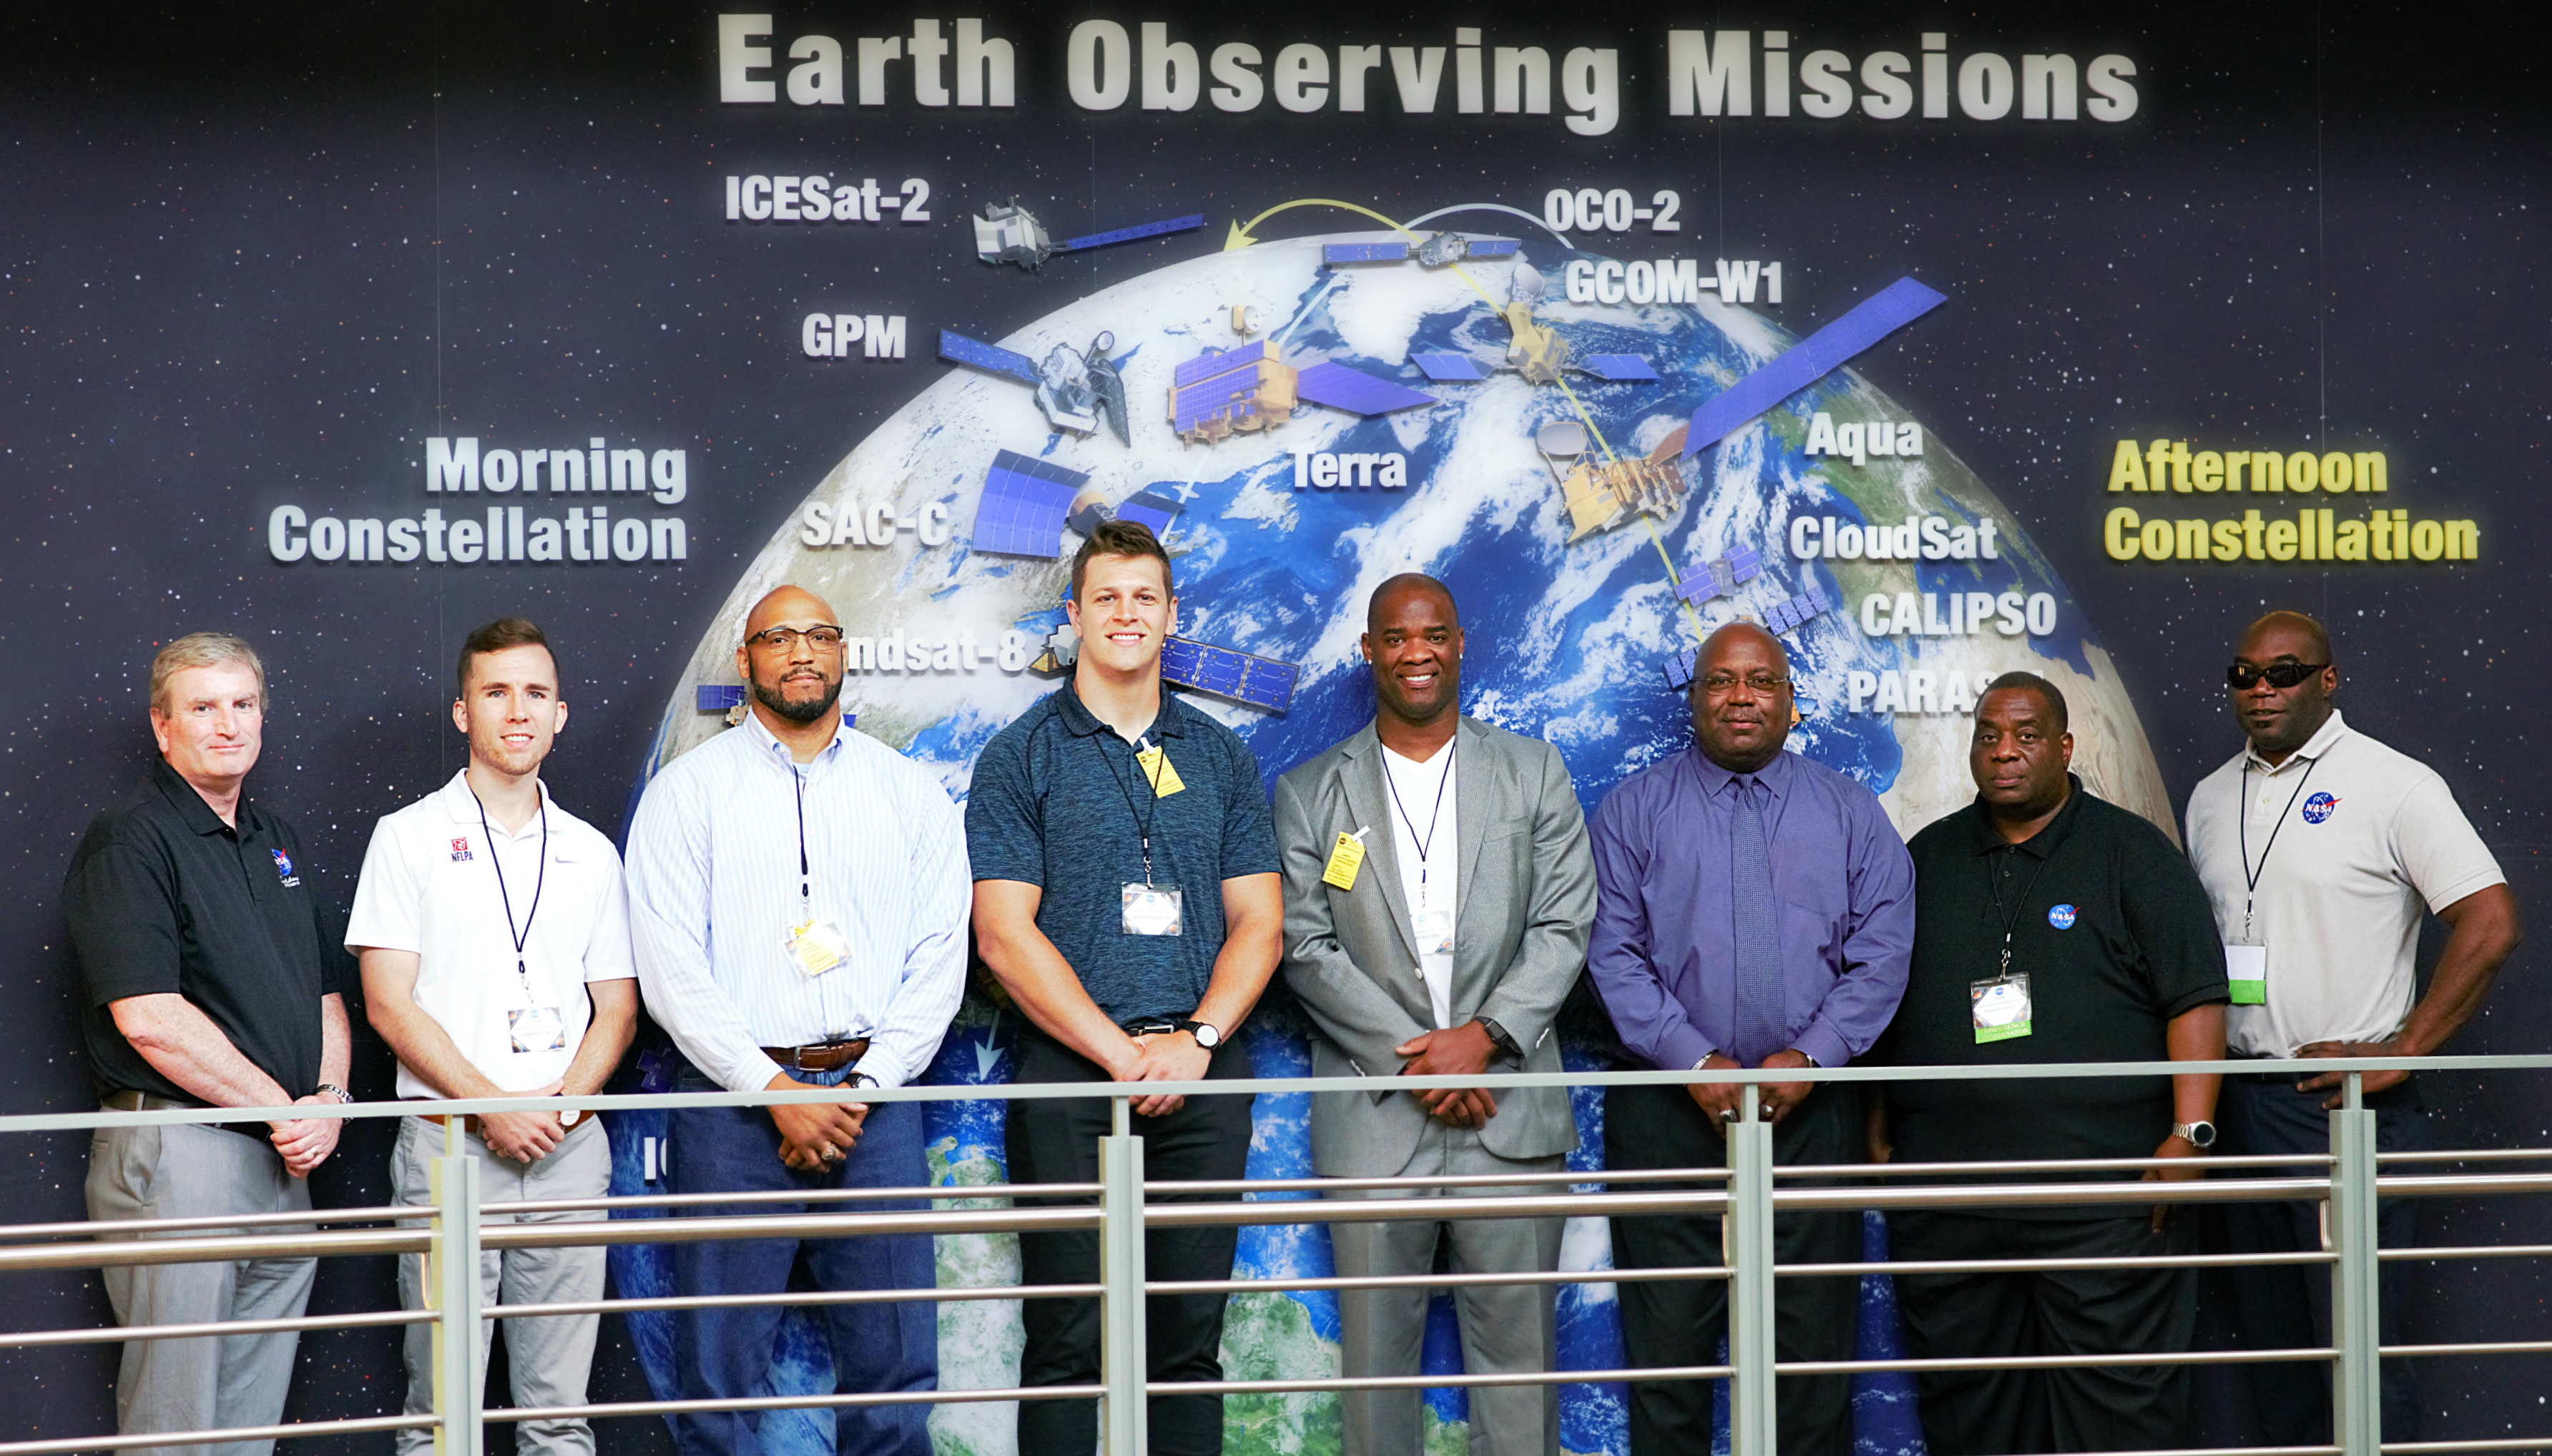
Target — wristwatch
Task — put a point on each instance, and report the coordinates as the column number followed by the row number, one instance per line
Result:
column 1205, row 1035
column 1498, row 1034
column 2199, row 1135
column 859, row 1079
column 334, row 1090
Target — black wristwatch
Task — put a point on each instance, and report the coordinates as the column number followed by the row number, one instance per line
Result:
column 1499, row 1035
column 1207, row 1036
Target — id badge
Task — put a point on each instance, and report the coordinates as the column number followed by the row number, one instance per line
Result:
column 815, row 947
column 1434, row 930
column 2246, row 969
column 1151, row 911
column 1155, row 764
column 2000, row 1006
column 537, row 1029
column 1345, row 858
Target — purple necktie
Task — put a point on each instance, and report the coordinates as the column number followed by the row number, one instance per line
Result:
column 1761, row 1027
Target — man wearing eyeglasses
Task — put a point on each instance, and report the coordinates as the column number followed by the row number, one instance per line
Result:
column 1754, row 909
column 798, row 897
column 2324, row 851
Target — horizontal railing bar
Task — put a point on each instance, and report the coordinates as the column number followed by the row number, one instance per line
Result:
column 125, row 1253
column 2469, row 1347
column 2035, row 1266
column 1430, row 1281
column 1013, row 1092
column 2050, row 1165
column 2456, row 1186
column 1435, row 1382
column 2470, row 1251
column 942, row 1193
column 2055, row 1362
column 2470, row 1155
column 497, row 1414
column 2495, row 1443
column 106, row 1227
column 356, row 1426
column 792, row 1297
column 1593, row 1178
column 118, row 1334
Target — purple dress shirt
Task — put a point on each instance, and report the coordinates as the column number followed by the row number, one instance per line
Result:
column 1662, row 950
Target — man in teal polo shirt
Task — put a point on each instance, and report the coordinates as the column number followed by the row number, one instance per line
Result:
column 1127, row 897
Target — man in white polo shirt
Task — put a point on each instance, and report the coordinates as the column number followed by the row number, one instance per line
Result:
column 494, row 937
column 2324, row 851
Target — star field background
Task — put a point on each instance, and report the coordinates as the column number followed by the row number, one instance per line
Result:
column 256, row 255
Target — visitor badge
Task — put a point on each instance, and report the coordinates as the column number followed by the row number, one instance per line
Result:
column 815, row 947
column 1434, row 930
column 2246, row 967
column 1345, row 858
column 2000, row 1006
column 537, row 1029
column 1151, row 911
column 1155, row 764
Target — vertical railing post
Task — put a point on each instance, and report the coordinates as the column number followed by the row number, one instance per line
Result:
column 2356, row 1330
column 452, row 1292
column 1122, row 1360
column 1750, row 1281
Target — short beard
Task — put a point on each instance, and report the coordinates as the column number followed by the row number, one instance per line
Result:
column 798, row 713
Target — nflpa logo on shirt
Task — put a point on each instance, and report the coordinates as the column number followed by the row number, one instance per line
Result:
column 461, row 848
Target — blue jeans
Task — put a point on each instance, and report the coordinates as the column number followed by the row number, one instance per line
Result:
column 725, row 1354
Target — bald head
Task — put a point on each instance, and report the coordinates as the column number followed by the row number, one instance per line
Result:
column 1378, row 608
column 1740, row 697
column 2289, row 630
column 1737, row 637
column 790, row 605
column 795, row 680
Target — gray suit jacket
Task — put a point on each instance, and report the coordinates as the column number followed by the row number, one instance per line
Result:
column 1524, row 901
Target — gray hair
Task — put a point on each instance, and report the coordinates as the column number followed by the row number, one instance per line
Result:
column 201, row 650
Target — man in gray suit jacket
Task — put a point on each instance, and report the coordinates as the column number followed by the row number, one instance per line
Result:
column 1437, row 889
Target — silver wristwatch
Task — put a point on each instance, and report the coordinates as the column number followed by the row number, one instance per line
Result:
column 2199, row 1135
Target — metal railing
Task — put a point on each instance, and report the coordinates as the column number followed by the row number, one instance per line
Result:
column 451, row 1233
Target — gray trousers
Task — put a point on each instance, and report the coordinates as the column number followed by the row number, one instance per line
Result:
column 549, row 1358
column 1505, row 1328
column 193, row 1171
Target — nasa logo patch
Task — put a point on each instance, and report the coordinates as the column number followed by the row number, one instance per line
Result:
column 283, row 870
column 2319, row 807
column 2061, row 916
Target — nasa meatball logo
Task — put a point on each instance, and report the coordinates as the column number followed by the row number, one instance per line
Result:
column 283, row 870
column 2061, row 916
column 2319, row 807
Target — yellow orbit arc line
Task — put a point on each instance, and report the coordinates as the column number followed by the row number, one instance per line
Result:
column 1240, row 238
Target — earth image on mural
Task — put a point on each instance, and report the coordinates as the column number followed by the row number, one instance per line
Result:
column 1565, row 642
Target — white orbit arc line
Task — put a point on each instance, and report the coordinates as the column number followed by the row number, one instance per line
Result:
column 1495, row 207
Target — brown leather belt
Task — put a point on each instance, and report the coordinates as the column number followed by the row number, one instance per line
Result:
column 830, row 1056
column 134, row 1099
column 469, row 1121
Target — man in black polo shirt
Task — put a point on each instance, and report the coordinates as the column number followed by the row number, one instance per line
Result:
column 2051, row 927
column 209, row 983
column 1126, row 896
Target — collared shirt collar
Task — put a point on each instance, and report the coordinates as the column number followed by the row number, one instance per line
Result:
column 1776, row 775
column 1081, row 723
column 461, row 803
column 2047, row 841
column 199, row 816
column 772, row 745
column 2331, row 732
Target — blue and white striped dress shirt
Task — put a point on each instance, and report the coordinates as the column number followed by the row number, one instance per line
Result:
column 713, row 890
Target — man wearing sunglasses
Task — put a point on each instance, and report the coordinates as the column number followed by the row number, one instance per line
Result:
column 798, row 899
column 2322, row 851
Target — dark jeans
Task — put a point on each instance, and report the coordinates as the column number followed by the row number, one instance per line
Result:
column 2285, row 1306
column 725, row 1354
column 1680, row 1323
column 1057, row 1140
column 2075, row 1311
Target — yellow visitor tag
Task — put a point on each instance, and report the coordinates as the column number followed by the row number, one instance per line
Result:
column 1156, row 768
column 1344, row 860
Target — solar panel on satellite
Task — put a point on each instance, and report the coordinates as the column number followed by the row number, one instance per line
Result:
column 1744, row 563
column 710, row 698
column 1617, row 367
column 1356, row 391
column 1129, row 234
column 1153, row 513
column 1678, row 669
column 1447, row 368
column 1209, row 364
column 1814, row 596
column 1024, row 506
column 962, row 350
column 1492, row 246
column 1779, row 618
column 1337, row 253
column 1261, row 683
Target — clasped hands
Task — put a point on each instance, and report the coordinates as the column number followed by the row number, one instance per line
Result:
column 814, row 1136
column 1456, row 1051
column 1724, row 1101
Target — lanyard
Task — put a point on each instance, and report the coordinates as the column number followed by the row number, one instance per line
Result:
column 2250, row 875
column 2011, row 921
column 805, row 894
column 1391, row 781
column 1143, row 821
column 522, row 937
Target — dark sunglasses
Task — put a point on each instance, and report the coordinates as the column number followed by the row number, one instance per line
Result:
column 2281, row 675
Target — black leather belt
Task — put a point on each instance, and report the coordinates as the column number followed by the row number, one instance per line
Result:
column 132, row 1099
column 828, row 1056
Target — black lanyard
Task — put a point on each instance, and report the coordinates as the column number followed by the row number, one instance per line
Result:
column 522, row 937
column 2250, row 875
column 1433, row 814
column 2011, row 921
column 1142, row 820
column 805, row 896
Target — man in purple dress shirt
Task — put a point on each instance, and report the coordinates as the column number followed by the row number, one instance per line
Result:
column 1754, row 909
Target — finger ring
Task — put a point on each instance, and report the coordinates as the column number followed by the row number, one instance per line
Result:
column 1728, row 1114
column 832, row 1152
